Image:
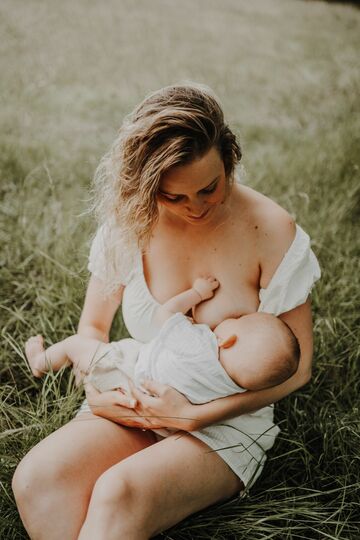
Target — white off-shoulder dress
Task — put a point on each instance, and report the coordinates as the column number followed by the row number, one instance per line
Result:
column 242, row 441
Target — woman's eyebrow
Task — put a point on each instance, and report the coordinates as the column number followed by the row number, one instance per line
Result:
column 178, row 194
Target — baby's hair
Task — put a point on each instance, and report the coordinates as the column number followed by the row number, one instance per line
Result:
column 172, row 126
column 289, row 362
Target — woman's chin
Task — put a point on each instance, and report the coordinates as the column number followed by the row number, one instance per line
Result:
column 198, row 219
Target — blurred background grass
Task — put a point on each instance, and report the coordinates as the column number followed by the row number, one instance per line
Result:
column 287, row 72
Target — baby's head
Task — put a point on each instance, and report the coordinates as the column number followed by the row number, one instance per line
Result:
column 257, row 350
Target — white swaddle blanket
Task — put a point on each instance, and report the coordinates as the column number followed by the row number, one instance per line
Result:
column 186, row 356
column 183, row 355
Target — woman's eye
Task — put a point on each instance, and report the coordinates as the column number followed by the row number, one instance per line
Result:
column 210, row 189
column 175, row 199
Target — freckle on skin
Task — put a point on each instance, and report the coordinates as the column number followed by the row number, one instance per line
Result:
column 256, row 227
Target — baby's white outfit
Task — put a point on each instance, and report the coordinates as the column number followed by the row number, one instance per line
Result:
column 182, row 355
column 241, row 442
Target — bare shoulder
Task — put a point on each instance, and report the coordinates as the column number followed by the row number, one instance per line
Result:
column 273, row 231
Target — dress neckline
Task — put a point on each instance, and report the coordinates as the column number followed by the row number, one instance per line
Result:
column 145, row 285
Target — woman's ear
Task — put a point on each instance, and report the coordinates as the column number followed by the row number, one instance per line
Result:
column 227, row 342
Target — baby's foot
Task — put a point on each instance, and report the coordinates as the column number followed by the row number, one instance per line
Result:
column 205, row 286
column 35, row 354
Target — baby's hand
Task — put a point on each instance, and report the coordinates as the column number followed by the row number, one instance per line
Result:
column 205, row 286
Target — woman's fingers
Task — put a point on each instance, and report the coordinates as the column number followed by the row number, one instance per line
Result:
column 116, row 406
column 137, row 393
column 146, row 406
column 112, row 397
column 164, row 407
column 155, row 388
column 122, row 399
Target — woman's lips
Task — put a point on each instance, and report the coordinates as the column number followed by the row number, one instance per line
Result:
column 196, row 218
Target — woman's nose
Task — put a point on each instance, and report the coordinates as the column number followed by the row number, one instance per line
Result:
column 195, row 206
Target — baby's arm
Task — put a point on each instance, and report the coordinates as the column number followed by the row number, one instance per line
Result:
column 202, row 289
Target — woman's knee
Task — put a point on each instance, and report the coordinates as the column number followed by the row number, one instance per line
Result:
column 34, row 477
column 115, row 509
column 118, row 495
column 113, row 489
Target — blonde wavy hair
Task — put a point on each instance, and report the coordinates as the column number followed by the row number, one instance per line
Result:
column 172, row 126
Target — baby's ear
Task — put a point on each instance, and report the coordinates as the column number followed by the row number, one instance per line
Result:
column 227, row 342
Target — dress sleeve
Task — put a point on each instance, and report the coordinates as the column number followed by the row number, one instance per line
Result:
column 294, row 278
column 118, row 271
column 96, row 262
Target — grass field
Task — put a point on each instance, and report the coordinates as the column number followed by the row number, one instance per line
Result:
column 287, row 72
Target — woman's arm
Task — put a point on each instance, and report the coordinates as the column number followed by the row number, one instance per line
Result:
column 95, row 322
column 98, row 311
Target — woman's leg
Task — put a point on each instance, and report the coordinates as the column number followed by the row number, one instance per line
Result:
column 156, row 488
column 54, row 481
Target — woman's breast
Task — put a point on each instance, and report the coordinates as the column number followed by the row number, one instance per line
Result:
column 170, row 271
column 228, row 302
column 238, row 293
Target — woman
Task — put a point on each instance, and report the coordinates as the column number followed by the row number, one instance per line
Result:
column 170, row 211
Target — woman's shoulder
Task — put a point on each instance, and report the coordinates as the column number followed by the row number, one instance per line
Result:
column 258, row 206
column 271, row 228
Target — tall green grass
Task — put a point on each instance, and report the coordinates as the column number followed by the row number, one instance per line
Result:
column 287, row 73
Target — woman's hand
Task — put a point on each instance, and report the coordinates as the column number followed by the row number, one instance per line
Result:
column 115, row 406
column 163, row 406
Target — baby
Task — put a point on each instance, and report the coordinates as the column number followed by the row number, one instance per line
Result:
column 252, row 352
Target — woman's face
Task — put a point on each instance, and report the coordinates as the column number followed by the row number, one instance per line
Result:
column 194, row 192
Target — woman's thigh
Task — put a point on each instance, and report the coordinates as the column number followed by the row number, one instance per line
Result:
column 167, row 482
column 58, row 475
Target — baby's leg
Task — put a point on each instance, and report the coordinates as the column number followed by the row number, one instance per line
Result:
column 77, row 350
column 42, row 360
